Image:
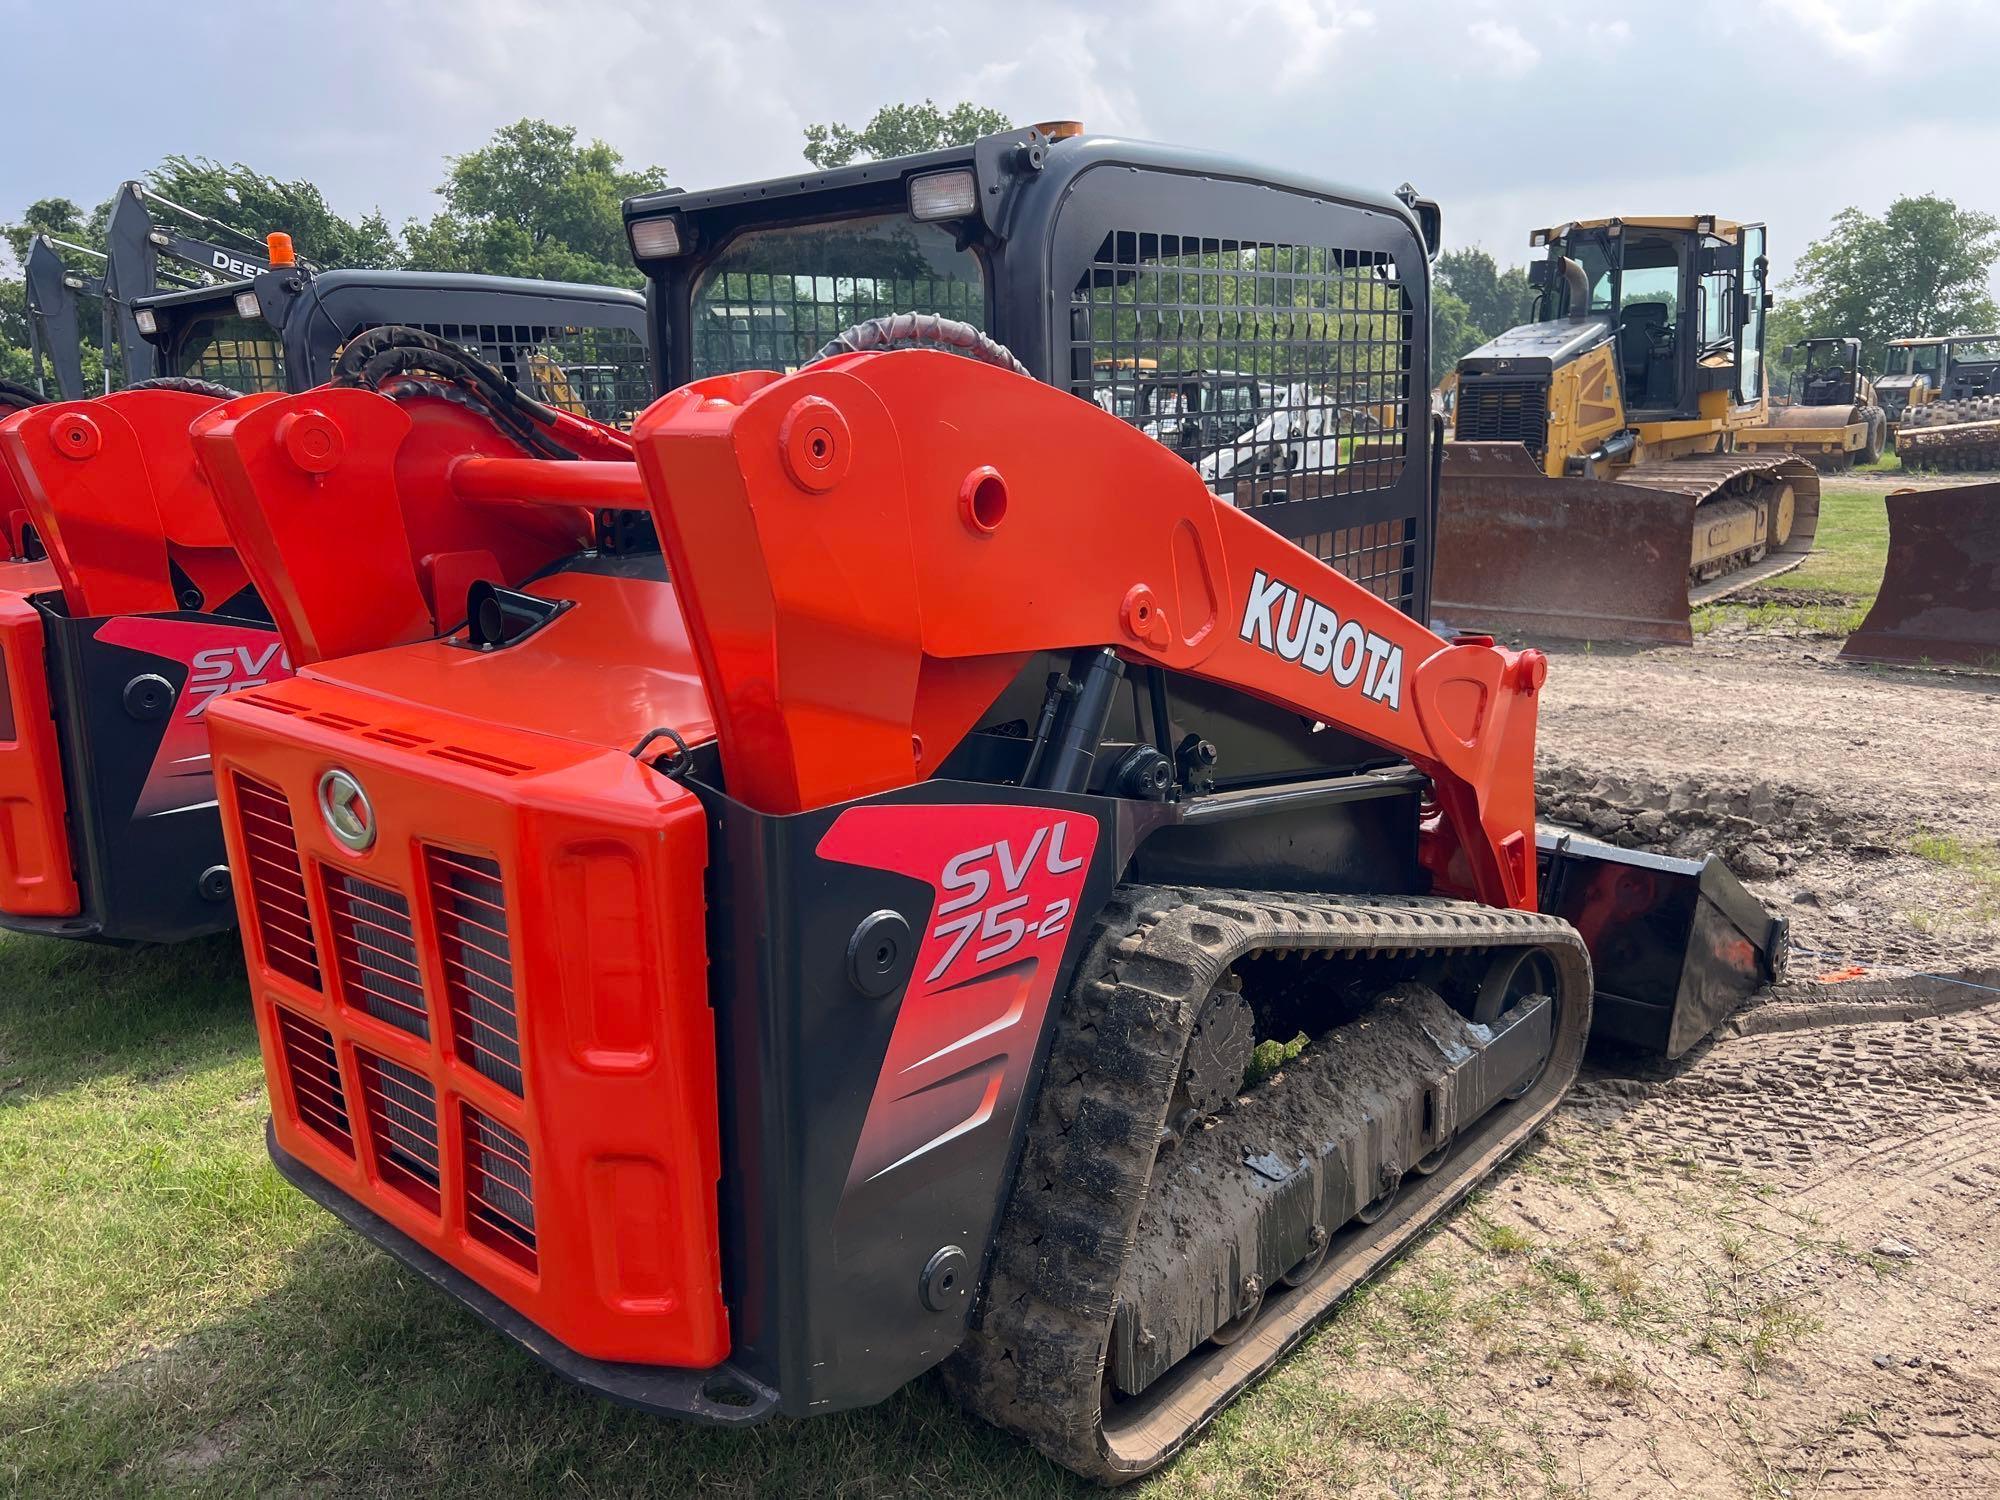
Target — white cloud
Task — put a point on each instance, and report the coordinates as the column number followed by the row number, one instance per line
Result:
column 1503, row 49
column 1453, row 95
column 1877, row 48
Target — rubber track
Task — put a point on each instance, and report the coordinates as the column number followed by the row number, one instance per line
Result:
column 1034, row 1361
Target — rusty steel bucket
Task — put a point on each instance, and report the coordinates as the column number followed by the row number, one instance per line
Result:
column 1940, row 598
column 1521, row 555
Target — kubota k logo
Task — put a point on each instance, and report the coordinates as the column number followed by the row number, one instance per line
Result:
column 347, row 812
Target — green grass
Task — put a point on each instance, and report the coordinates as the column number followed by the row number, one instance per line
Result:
column 1830, row 592
column 1978, row 863
column 177, row 1318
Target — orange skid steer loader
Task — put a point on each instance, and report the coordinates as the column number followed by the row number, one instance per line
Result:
column 796, row 907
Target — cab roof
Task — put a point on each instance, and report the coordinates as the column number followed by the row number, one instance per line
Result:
column 812, row 194
column 436, row 281
column 1726, row 229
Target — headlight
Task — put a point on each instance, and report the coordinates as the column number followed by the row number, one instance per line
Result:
column 944, row 195
column 656, row 239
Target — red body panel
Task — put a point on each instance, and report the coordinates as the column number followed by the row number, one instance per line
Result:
column 865, row 566
column 1008, row 882
column 603, row 673
column 36, row 879
column 602, row 862
column 111, row 485
column 342, row 506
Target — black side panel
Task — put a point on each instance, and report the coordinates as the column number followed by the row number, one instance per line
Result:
column 128, row 693
column 1364, row 845
column 871, row 1119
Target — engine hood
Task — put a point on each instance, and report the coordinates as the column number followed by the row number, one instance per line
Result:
column 1537, row 348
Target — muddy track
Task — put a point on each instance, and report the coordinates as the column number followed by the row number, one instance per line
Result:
column 1036, row 1361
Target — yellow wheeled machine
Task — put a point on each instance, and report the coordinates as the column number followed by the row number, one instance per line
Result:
column 1832, row 418
column 1597, row 488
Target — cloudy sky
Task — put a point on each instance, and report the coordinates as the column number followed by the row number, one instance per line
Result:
column 1510, row 114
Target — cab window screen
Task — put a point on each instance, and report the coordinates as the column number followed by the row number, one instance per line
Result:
column 1281, row 372
column 588, row 372
column 773, row 297
column 241, row 353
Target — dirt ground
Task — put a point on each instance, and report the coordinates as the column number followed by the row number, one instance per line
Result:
column 1792, row 1233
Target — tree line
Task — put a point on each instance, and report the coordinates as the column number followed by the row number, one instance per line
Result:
column 534, row 201
column 537, row 201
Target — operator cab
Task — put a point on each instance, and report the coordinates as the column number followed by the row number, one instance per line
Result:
column 1685, row 297
column 1271, row 330
column 580, row 348
column 1972, row 366
column 1914, row 357
column 1831, row 374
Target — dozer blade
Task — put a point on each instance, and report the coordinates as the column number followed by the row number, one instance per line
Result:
column 1521, row 554
column 1940, row 597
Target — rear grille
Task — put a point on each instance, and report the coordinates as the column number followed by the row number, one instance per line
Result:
column 1503, row 411
column 375, row 951
column 277, row 882
column 499, row 1189
column 469, row 908
column 402, row 1117
column 314, row 1072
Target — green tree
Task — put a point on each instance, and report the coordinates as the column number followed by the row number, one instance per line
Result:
column 64, row 219
column 257, row 204
column 532, row 202
column 1488, row 301
column 1923, row 267
column 901, row 130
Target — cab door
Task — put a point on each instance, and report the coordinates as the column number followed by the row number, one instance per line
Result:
column 1750, row 324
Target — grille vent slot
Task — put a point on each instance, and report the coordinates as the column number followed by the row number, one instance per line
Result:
column 277, row 883
column 403, row 1125
column 375, row 948
column 313, row 1069
column 499, row 1189
column 469, row 908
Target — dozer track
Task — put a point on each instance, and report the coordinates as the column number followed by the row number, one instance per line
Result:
column 1746, row 526
column 1150, row 1265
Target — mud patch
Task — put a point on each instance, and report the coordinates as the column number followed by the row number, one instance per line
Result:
column 1761, row 828
column 1792, row 598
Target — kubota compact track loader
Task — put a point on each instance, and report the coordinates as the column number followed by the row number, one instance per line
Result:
column 125, row 612
column 1832, row 419
column 765, row 920
column 1596, row 489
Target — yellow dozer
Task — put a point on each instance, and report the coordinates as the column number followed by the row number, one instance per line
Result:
column 1596, row 488
column 1832, row 418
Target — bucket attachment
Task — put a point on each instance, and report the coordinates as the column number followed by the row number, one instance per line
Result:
column 1677, row 944
column 1940, row 597
column 1521, row 555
